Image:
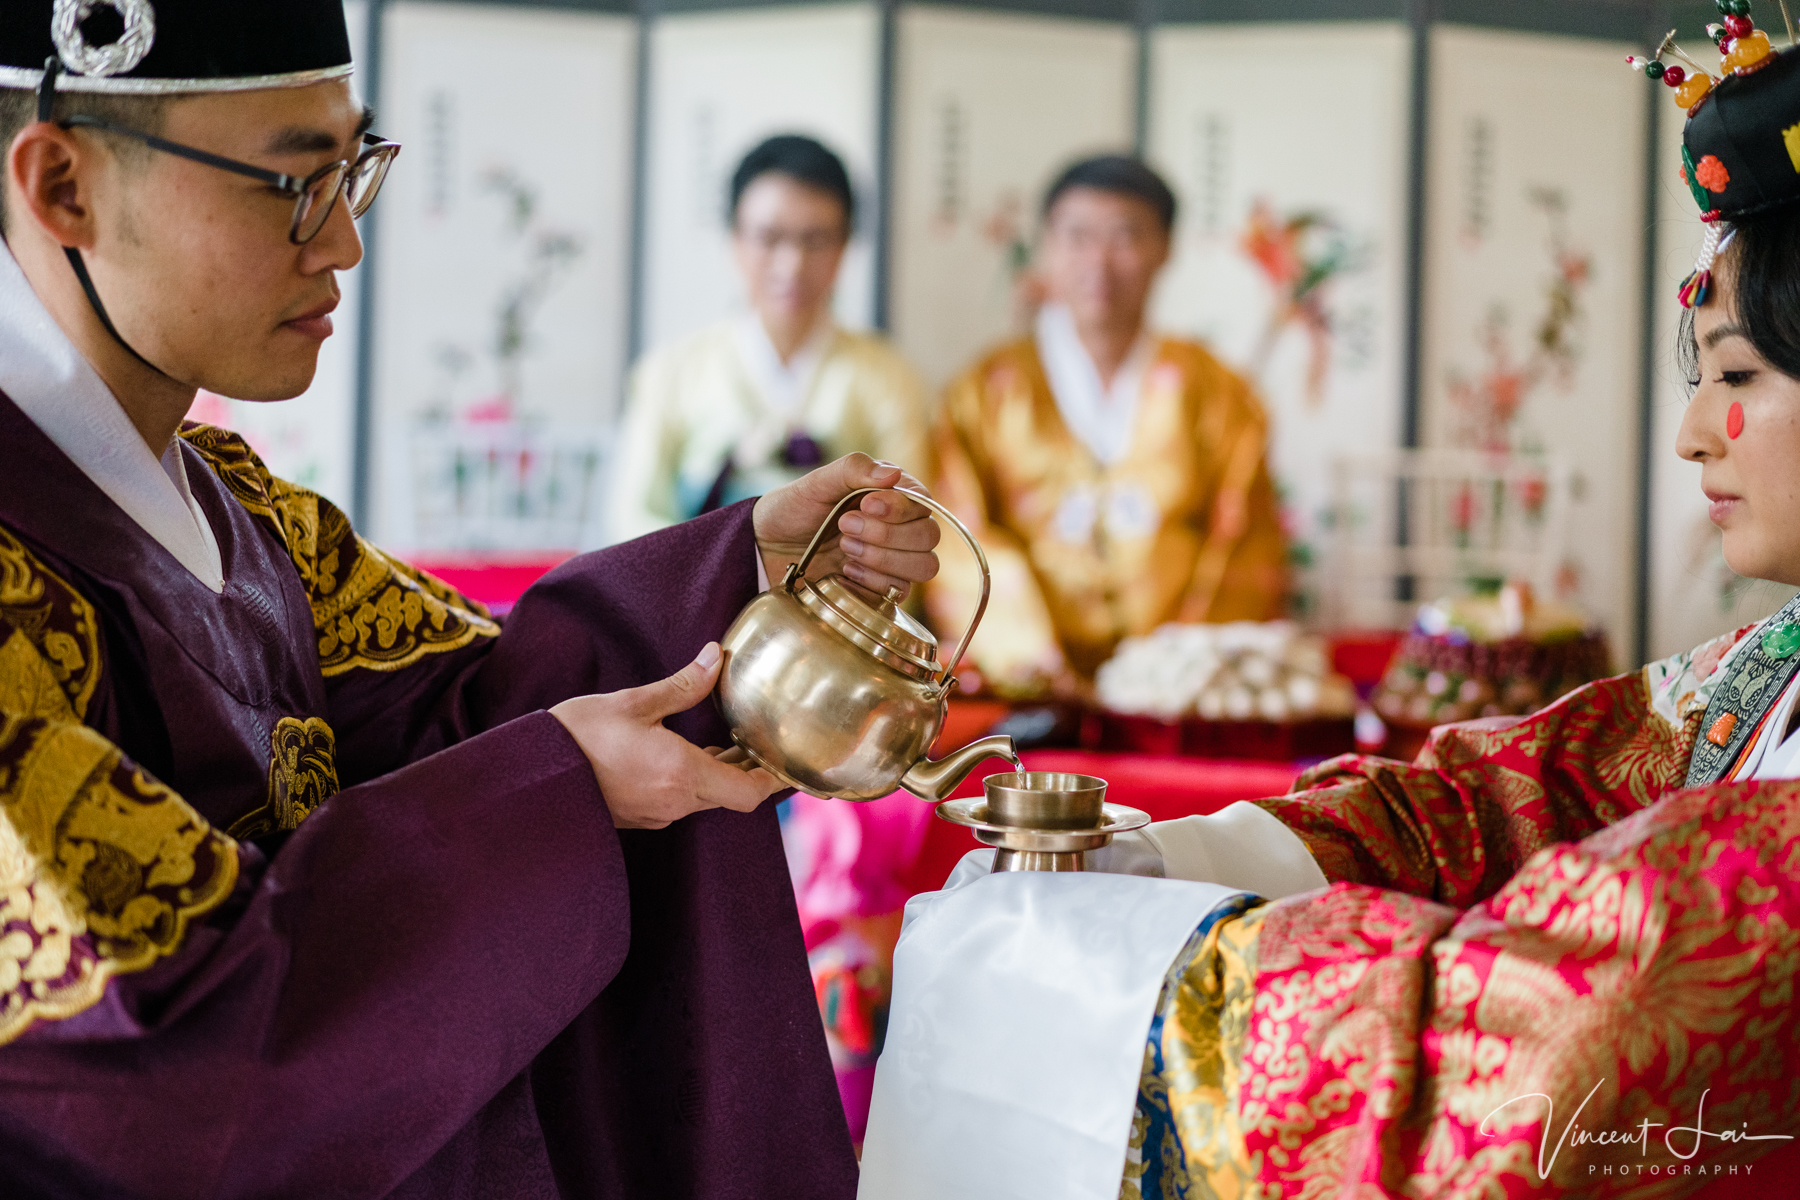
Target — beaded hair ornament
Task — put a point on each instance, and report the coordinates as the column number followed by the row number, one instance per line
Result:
column 1744, row 51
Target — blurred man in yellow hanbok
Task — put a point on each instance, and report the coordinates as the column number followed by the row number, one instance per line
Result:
column 1115, row 478
column 746, row 405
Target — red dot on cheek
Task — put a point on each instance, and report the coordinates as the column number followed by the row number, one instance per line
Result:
column 1734, row 421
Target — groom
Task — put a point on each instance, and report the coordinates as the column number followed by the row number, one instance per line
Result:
column 313, row 879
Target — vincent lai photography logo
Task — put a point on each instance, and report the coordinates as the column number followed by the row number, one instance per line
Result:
column 1684, row 1142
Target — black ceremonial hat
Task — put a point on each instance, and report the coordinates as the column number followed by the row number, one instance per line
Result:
column 1750, row 127
column 158, row 47
column 1740, row 151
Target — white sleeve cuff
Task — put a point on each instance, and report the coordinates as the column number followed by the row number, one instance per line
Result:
column 1241, row 846
column 762, row 572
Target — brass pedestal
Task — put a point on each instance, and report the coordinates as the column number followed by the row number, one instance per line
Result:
column 1042, row 820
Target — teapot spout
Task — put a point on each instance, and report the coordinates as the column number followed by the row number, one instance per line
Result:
column 934, row 781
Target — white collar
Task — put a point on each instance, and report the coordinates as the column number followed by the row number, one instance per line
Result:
column 43, row 373
column 1102, row 417
column 1776, row 754
column 782, row 385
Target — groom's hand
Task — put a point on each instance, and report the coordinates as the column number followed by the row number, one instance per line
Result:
column 885, row 541
column 650, row 775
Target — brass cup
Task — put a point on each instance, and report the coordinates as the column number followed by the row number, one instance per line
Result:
column 1045, row 800
column 1042, row 821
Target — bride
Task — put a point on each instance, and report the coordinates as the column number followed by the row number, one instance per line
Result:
column 1555, row 953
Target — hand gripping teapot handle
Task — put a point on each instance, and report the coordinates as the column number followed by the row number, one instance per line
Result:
column 796, row 570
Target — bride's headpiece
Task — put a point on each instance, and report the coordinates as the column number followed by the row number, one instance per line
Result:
column 1740, row 152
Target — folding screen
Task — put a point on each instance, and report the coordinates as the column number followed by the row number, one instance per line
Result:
column 1534, row 277
column 1519, row 176
column 504, row 229
column 1289, row 140
column 988, row 106
column 1290, row 255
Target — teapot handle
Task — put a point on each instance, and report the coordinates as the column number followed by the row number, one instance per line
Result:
column 796, row 570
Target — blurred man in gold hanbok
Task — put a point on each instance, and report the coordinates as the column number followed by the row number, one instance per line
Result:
column 746, row 405
column 1115, row 478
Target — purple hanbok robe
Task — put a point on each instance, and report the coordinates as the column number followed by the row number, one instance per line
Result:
column 303, row 894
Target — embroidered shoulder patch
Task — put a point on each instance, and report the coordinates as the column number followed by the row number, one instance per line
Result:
column 370, row 611
column 55, row 620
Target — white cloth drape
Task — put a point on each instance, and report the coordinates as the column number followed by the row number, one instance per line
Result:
column 1016, row 1037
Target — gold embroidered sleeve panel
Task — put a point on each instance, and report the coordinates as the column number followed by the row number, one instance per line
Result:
column 102, row 869
column 370, row 611
column 50, row 657
column 1486, row 795
column 1186, row 1139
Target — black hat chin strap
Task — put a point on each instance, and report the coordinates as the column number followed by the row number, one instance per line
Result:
column 47, row 88
column 87, row 285
column 46, row 104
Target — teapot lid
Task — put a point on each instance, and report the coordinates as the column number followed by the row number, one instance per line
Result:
column 875, row 623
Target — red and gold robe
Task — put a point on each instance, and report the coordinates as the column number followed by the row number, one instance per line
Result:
column 303, row 894
column 1536, row 941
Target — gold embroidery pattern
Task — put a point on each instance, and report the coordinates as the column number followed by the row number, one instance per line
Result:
column 101, row 870
column 1204, row 1059
column 302, row 776
column 1639, row 975
column 55, row 620
column 1480, row 801
column 386, row 617
column 369, row 611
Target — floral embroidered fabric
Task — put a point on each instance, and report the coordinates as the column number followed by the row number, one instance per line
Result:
column 1537, row 944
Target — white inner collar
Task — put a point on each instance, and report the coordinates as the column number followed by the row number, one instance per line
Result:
column 1101, row 416
column 1776, row 754
column 782, row 385
column 43, row 373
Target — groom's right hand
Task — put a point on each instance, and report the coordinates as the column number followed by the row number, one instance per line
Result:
column 649, row 775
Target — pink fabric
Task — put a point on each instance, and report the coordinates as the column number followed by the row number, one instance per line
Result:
column 856, row 1085
column 851, row 861
column 848, row 860
column 494, row 580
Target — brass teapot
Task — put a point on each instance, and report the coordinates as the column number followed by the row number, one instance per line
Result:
column 838, row 692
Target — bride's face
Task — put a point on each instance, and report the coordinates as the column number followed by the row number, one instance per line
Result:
column 1743, row 427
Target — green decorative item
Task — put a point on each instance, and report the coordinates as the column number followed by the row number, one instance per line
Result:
column 1687, row 174
column 1781, row 641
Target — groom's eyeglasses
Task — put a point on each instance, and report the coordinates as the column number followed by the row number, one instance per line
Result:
column 315, row 197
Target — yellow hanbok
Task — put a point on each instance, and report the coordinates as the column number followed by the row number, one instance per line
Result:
column 722, row 394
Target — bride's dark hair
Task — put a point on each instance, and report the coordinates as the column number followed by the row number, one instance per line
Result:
column 1761, row 270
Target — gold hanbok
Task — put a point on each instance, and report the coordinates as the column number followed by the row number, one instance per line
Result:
column 1183, row 527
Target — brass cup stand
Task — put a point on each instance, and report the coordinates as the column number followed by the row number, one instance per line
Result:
column 1042, row 820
